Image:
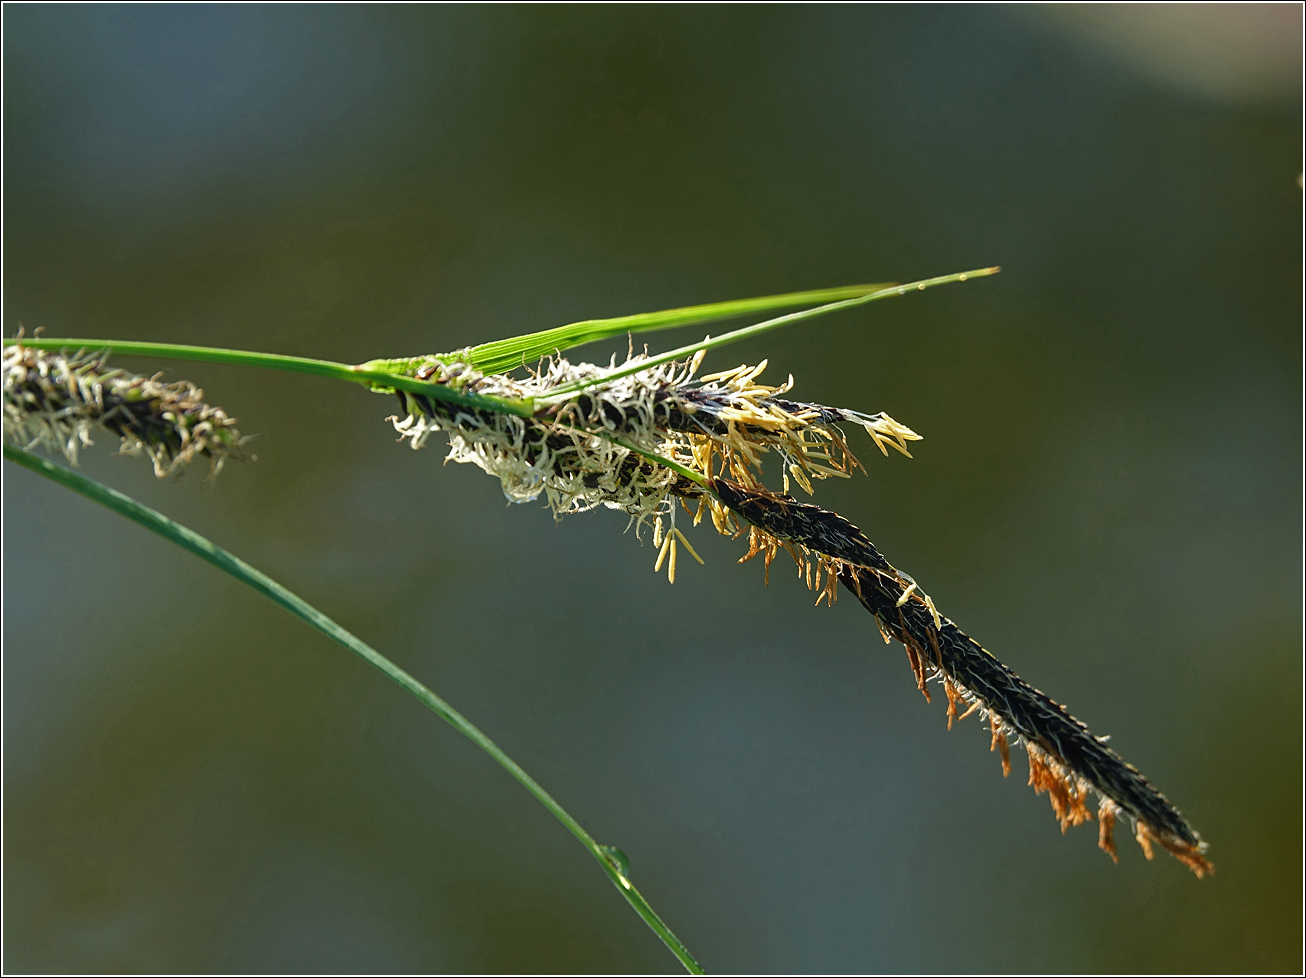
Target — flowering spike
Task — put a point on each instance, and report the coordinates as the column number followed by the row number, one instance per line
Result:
column 58, row 399
column 644, row 435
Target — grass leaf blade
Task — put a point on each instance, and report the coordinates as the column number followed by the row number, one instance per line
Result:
column 498, row 356
column 757, row 329
column 225, row 561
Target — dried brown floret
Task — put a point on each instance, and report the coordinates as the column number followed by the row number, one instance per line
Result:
column 1107, row 810
column 1066, row 790
column 999, row 743
column 951, row 690
column 918, row 670
column 1190, row 855
column 1144, row 836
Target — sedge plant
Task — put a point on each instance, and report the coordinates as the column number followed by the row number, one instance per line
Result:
column 652, row 437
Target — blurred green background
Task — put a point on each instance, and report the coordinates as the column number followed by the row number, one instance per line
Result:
column 1108, row 494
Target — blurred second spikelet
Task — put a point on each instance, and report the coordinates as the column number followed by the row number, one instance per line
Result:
column 56, row 400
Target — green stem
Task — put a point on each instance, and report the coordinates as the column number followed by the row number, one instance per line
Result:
column 374, row 379
column 390, row 377
column 674, row 466
column 608, row 858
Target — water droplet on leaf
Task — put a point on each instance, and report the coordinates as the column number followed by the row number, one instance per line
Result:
column 617, row 860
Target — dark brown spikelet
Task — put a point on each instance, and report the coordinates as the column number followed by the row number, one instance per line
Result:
column 786, row 519
column 1066, row 760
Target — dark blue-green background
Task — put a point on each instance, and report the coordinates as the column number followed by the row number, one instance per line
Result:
column 1108, row 494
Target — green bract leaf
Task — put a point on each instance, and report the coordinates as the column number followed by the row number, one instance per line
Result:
column 757, row 329
column 500, row 355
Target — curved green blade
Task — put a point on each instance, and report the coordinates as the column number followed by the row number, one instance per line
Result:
column 498, row 356
column 757, row 329
column 611, row 859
